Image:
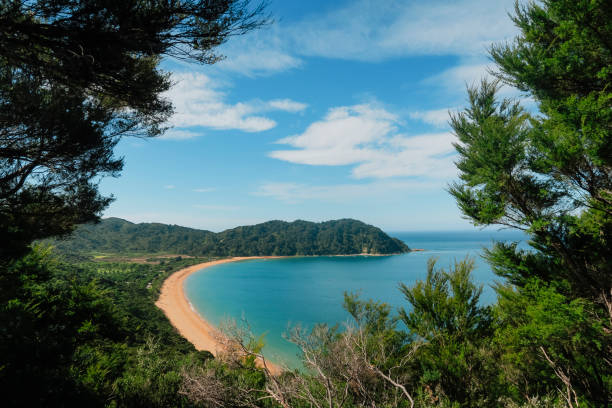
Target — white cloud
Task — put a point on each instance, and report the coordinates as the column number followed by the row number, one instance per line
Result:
column 287, row 105
column 340, row 138
column 169, row 187
column 198, row 102
column 437, row 117
column 367, row 136
column 203, row 190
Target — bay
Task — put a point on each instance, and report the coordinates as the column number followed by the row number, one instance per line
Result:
column 274, row 294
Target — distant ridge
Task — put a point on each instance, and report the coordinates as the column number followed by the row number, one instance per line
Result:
column 338, row 237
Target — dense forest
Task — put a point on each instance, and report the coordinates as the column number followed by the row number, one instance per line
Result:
column 339, row 237
column 88, row 333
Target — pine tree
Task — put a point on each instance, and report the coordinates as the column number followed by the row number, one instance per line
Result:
column 549, row 174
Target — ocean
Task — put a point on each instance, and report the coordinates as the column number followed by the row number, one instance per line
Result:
column 274, row 294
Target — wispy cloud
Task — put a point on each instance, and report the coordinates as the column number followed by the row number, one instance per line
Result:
column 259, row 53
column 169, row 187
column 456, row 78
column 287, row 105
column 199, row 103
column 437, row 117
column 368, row 30
column 368, row 137
column 179, row 134
column 243, row 57
column 216, row 207
column 203, row 190
column 294, row 193
column 470, row 72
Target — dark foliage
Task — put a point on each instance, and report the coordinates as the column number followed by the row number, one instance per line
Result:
column 75, row 76
column 53, row 142
column 89, row 334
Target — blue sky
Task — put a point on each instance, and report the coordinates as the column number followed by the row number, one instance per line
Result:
column 337, row 110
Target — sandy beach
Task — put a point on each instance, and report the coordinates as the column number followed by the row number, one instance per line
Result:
column 174, row 303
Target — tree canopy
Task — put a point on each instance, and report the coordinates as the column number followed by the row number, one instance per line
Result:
column 549, row 174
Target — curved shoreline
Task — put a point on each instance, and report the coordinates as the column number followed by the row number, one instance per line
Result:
column 190, row 324
column 182, row 315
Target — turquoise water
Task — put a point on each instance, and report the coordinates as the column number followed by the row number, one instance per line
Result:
column 272, row 294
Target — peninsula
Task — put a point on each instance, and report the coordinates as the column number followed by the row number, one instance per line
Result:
column 272, row 238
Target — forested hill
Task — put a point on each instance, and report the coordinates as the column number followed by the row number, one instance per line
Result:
column 346, row 236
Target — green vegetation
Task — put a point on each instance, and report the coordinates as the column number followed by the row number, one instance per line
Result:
column 88, row 334
column 549, row 175
column 340, row 237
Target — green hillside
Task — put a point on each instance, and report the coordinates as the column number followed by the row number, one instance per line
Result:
column 117, row 236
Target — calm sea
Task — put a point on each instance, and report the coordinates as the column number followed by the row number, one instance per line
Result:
column 274, row 294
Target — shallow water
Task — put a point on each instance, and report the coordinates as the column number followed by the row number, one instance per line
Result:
column 272, row 294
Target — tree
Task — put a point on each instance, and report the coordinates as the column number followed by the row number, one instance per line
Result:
column 549, row 174
column 59, row 340
column 75, row 77
column 53, row 143
column 455, row 359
